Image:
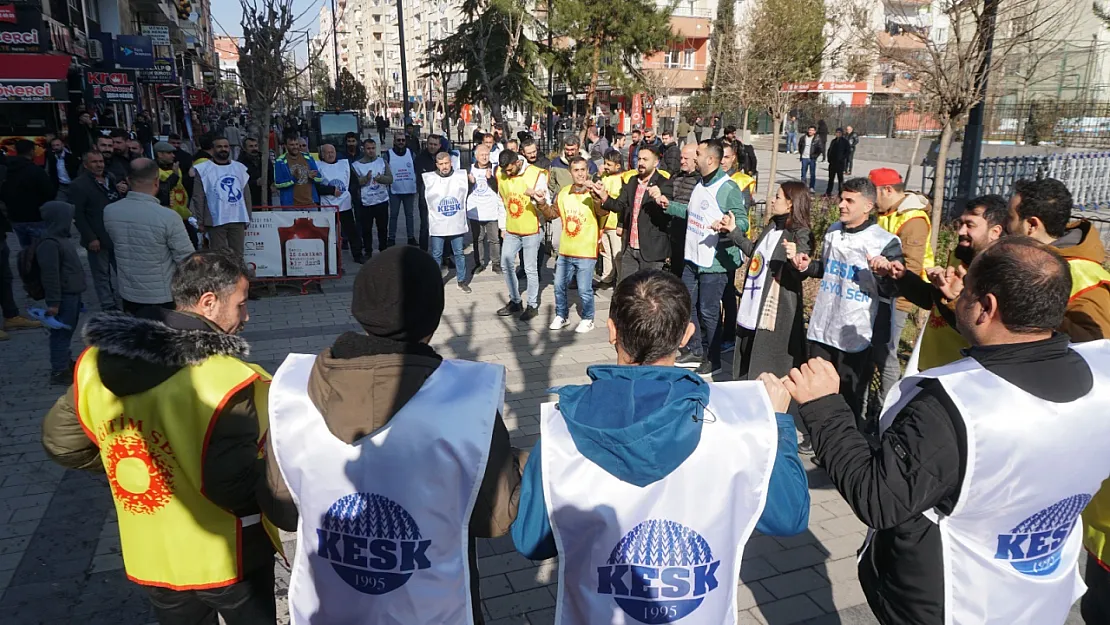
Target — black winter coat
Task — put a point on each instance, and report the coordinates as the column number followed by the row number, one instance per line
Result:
column 25, row 190
column 654, row 222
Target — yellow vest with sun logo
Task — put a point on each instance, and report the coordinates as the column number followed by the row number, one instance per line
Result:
column 613, row 184
column 179, row 199
column 521, row 215
column 581, row 230
column 152, row 445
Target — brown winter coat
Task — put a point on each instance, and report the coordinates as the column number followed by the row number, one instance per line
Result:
column 1088, row 315
column 358, row 385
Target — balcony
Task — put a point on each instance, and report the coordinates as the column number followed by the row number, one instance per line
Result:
column 676, row 76
column 691, row 27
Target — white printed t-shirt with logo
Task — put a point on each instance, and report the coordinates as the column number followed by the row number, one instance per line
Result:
column 848, row 299
column 381, row 545
column 446, row 197
column 483, row 204
column 701, row 212
column 404, row 173
column 223, row 189
column 372, row 192
column 1012, row 543
column 751, row 300
column 338, row 175
column 658, row 554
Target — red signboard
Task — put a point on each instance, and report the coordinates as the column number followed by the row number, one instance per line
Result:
column 112, row 87
column 826, row 86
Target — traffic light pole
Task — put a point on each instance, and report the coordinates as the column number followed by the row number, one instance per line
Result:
column 404, row 65
column 335, row 50
column 972, row 150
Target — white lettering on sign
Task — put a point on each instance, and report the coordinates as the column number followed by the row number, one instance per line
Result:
column 20, row 38
column 25, row 91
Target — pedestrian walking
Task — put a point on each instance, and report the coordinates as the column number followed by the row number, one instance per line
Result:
column 382, row 124
column 148, row 241
column 171, row 188
column 221, row 202
column 445, row 193
column 433, row 455
column 168, row 408
column 838, row 162
column 810, row 149
column 485, row 211
column 372, row 177
column 853, row 141
column 12, row 318
column 62, row 166
column 92, row 191
column 589, row 458
column 791, row 127
column 63, row 282
column 958, row 524
column 843, row 326
column 26, row 188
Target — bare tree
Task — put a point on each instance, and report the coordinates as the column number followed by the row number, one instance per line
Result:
column 948, row 69
column 264, row 58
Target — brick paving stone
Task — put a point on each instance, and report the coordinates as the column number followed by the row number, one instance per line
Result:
column 794, row 559
column 520, row 603
column 786, row 611
column 794, row 583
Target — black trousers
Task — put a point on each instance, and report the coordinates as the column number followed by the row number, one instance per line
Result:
column 139, row 310
column 838, row 176
column 855, row 371
column 632, row 261
column 368, row 217
column 249, row 602
column 349, row 230
column 1095, row 605
column 422, row 207
column 730, row 303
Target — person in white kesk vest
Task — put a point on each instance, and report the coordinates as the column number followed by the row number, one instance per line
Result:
column 853, row 306
column 221, row 203
column 396, row 458
column 339, row 176
column 402, row 192
column 648, row 482
column 445, row 191
column 371, row 194
column 484, row 210
column 983, row 465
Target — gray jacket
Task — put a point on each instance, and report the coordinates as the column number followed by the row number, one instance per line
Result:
column 149, row 240
column 59, row 267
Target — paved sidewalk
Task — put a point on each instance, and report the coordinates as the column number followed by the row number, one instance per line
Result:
column 59, row 547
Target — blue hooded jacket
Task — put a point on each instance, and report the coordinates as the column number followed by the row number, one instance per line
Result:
column 634, row 422
column 283, row 179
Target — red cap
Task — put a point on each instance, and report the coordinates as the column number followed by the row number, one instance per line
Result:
column 884, row 176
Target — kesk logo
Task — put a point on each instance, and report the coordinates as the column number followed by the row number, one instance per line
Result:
column 659, row 572
column 449, row 206
column 1033, row 547
column 373, row 543
column 234, row 193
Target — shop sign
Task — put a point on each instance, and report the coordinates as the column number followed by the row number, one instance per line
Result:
column 34, row 91
column 134, row 52
column 116, row 87
column 21, row 28
column 159, row 35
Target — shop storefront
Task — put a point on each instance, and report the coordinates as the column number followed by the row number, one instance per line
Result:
column 33, row 84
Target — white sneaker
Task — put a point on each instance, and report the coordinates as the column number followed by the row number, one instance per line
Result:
column 584, row 326
column 558, row 324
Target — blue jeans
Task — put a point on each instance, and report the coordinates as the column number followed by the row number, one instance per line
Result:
column 456, row 242
column 395, row 202
column 811, row 165
column 565, row 268
column 791, row 142
column 29, row 232
column 68, row 312
column 706, row 290
column 509, row 248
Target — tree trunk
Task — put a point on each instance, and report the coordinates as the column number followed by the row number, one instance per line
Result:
column 591, row 90
column 264, row 141
column 938, row 183
column 916, row 145
column 776, row 130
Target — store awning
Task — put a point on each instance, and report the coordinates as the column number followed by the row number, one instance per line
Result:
column 34, row 78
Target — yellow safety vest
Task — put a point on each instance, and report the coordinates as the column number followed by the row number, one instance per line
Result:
column 179, row 199
column 521, row 215
column 893, row 221
column 744, row 181
column 613, row 185
column 581, row 232
column 152, row 446
column 1086, row 275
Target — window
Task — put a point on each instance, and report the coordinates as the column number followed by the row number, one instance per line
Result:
column 688, row 57
column 377, row 19
column 670, row 59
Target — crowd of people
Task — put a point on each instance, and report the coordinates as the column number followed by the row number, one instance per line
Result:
column 980, row 478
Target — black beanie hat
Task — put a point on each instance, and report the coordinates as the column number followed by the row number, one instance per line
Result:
column 398, row 295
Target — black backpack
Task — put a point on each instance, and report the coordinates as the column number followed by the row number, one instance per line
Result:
column 29, row 272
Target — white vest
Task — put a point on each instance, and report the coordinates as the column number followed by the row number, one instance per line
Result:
column 703, row 210
column 751, row 300
column 446, row 199
column 223, row 189
column 483, row 204
column 658, row 553
column 1012, row 543
column 848, row 300
column 372, row 192
column 404, row 173
column 383, row 529
column 338, row 175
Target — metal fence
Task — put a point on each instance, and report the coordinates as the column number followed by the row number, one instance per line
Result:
column 1086, row 174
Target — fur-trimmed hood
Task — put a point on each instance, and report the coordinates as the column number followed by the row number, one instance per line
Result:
column 161, row 343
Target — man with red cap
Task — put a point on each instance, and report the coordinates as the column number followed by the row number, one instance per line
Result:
column 907, row 216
